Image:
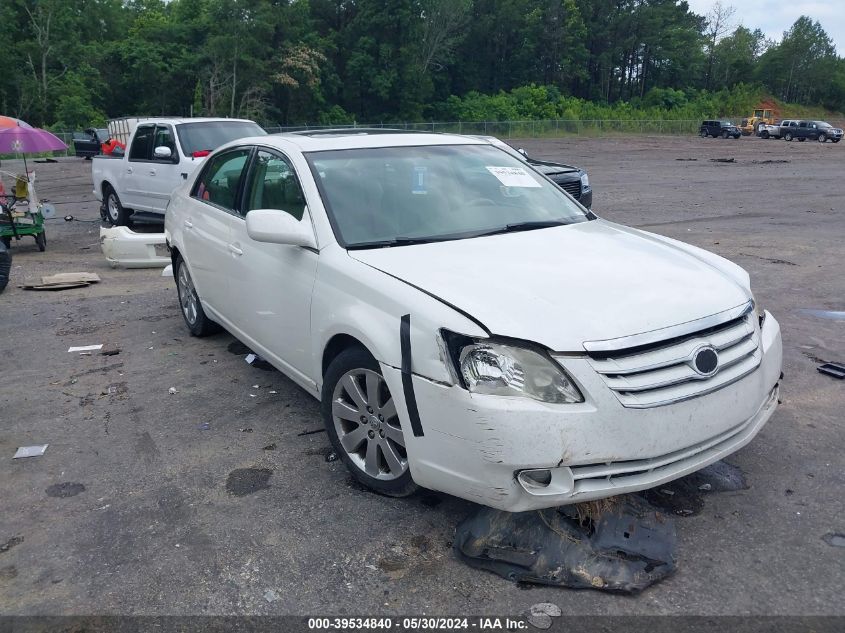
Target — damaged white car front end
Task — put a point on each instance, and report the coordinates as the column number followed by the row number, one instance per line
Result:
column 467, row 327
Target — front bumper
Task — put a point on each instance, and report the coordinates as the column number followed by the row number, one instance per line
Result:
column 478, row 447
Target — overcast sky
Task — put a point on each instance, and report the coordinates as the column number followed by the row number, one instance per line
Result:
column 773, row 17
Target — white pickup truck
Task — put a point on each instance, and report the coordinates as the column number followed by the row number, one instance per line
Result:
column 161, row 154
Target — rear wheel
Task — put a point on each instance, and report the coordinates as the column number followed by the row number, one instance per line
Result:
column 725, row 134
column 115, row 213
column 196, row 320
column 362, row 423
column 703, row 133
column 787, row 136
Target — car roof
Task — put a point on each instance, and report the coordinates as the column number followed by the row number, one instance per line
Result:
column 358, row 138
column 177, row 120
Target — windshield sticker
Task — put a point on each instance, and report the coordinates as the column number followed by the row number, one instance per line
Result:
column 513, row 176
column 418, row 186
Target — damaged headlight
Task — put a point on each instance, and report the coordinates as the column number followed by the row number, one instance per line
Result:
column 506, row 369
column 758, row 309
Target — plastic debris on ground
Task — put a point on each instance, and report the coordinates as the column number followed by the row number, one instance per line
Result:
column 85, row 348
column 30, row 451
column 168, row 271
column 172, row 390
column 835, row 370
column 619, row 545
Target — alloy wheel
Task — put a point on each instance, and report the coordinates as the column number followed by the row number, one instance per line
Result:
column 187, row 295
column 367, row 426
column 113, row 208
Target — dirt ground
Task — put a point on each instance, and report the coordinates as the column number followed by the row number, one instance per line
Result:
column 218, row 499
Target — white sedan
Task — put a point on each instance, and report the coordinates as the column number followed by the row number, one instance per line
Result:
column 466, row 325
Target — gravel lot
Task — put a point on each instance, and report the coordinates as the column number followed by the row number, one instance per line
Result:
column 218, row 499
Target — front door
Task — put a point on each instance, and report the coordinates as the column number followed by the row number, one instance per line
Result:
column 273, row 283
column 207, row 229
column 136, row 176
column 163, row 172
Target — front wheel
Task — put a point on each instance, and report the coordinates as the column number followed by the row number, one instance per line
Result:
column 725, row 134
column 764, row 134
column 822, row 138
column 195, row 318
column 41, row 241
column 115, row 213
column 787, row 137
column 362, row 423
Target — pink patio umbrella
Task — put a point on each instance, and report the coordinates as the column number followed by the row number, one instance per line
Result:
column 28, row 140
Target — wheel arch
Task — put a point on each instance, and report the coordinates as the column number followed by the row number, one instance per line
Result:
column 335, row 346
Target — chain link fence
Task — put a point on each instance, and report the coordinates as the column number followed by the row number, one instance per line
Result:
column 526, row 129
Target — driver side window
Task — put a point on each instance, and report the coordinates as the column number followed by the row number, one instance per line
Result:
column 274, row 185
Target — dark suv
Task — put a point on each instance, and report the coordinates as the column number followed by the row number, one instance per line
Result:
column 817, row 130
column 724, row 129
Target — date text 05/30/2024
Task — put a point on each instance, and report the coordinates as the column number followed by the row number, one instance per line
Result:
column 418, row 624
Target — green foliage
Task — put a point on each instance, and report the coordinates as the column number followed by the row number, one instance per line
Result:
column 338, row 61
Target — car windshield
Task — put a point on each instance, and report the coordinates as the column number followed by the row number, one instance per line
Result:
column 727, row 124
column 823, row 124
column 204, row 136
column 393, row 196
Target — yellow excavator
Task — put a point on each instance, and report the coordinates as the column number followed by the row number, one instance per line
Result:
column 762, row 116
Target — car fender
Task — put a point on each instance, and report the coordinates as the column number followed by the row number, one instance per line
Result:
column 354, row 299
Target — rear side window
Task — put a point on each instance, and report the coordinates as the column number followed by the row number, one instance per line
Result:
column 207, row 136
column 221, row 179
column 142, row 144
column 274, row 185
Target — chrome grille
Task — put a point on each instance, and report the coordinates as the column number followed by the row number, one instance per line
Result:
column 663, row 373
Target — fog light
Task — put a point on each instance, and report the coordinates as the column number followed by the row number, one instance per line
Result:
column 539, row 478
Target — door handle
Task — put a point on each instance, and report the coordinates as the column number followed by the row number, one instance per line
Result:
column 189, row 224
column 128, row 170
column 152, row 172
column 235, row 250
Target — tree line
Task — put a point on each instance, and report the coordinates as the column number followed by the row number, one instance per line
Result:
column 288, row 62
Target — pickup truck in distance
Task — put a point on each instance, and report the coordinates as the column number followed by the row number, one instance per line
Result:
column 819, row 131
column 161, row 154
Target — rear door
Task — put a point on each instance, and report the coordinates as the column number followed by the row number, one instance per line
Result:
column 803, row 130
column 273, row 283
column 133, row 182
column 207, row 228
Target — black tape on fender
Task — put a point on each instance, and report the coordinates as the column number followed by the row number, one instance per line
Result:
column 407, row 381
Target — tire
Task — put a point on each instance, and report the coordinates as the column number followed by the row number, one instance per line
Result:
column 764, row 134
column 116, row 215
column 5, row 265
column 7, row 242
column 725, row 134
column 703, row 133
column 189, row 303
column 787, row 136
column 41, row 241
column 822, row 138
column 835, row 140
column 368, row 437
column 802, row 139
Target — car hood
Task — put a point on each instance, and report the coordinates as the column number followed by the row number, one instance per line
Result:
column 562, row 286
column 550, row 169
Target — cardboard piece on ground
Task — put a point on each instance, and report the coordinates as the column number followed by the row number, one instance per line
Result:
column 62, row 278
column 62, row 286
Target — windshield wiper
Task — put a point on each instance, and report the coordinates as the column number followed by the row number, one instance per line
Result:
column 398, row 241
column 524, row 226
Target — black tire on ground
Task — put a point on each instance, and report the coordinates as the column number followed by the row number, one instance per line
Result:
column 725, row 134
column 5, row 265
column 787, row 136
column 41, row 241
column 7, row 241
column 351, row 359
column 802, row 139
column 822, row 138
column 189, row 303
column 764, row 134
column 116, row 215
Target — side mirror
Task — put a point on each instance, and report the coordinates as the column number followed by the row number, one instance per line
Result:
column 278, row 227
column 523, row 152
column 162, row 152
